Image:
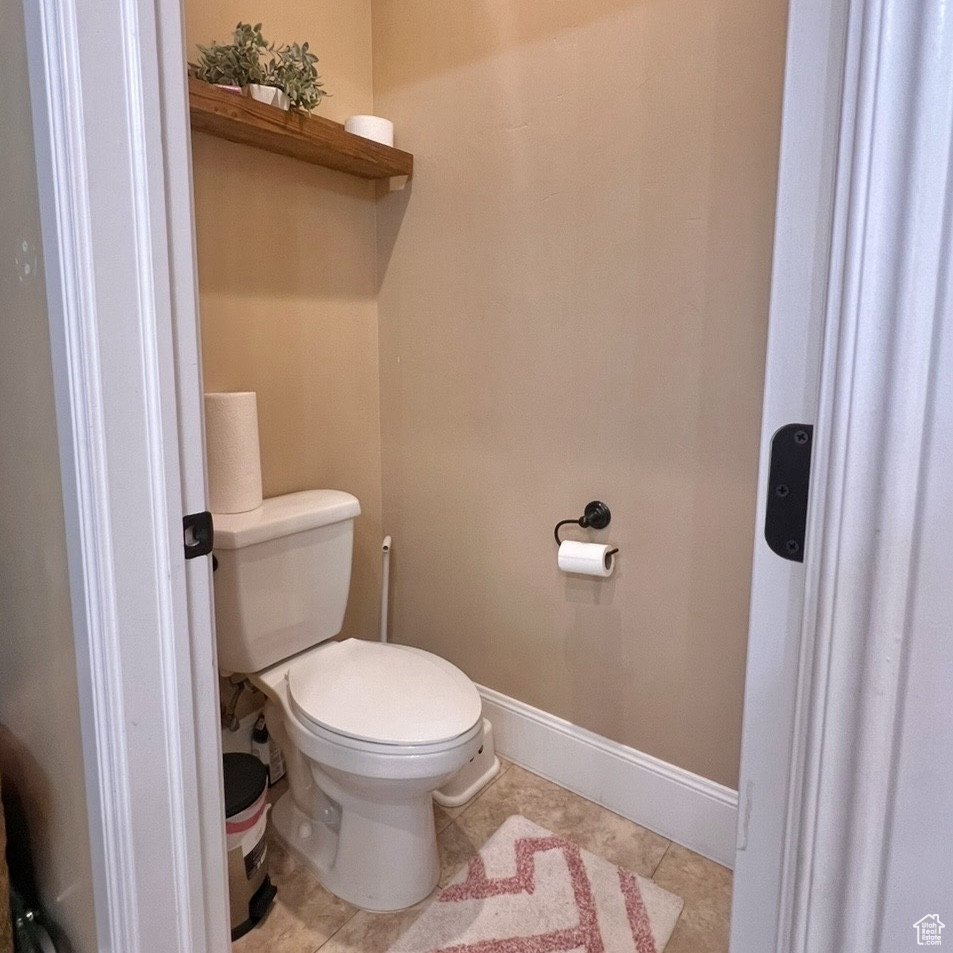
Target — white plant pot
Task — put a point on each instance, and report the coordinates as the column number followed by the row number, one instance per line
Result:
column 268, row 94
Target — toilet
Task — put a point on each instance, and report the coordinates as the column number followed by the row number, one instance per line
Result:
column 368, row 729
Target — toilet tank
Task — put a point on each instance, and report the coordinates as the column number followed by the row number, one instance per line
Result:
column 284, row 570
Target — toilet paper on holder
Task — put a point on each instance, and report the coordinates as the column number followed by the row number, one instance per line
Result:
column 589, row 559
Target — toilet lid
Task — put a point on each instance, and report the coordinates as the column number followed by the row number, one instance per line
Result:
column 384, row 693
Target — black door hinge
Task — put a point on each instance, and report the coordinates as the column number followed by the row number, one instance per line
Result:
column 789, row 481
column 199, row 534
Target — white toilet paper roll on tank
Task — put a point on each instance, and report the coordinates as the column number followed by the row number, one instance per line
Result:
column 232, row 452
column 590, row 559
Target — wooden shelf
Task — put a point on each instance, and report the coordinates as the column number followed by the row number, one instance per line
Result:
column 309, row 138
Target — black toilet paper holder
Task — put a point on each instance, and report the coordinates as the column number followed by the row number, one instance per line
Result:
column 596, row 516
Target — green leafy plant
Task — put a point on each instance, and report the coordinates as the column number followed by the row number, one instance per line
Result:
column 237, row 63
column 293, row 70
column 250, row 58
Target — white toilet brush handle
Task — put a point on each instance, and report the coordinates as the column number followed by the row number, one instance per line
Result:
column 385, row 584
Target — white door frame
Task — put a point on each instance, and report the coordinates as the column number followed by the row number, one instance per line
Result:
column 113, row 170
column 112, row 148
column 815, row 835
column 804, row 218
column 889, row 310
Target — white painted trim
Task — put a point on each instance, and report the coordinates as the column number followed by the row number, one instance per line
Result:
column 681, row 806
column 207, row 820
column 889, row 311
column 68, row 267
column 813, row 93
column 106, row 209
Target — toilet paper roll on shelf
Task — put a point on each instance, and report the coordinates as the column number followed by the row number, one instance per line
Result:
column 232, row 452
column 589, row 559
column 371, row 127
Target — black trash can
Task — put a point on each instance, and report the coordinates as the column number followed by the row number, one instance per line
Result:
column 250, row 890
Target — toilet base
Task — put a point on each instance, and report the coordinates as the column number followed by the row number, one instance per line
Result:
column 474, row 776
column 312, row 842
column 360, row 814
column 375, row 865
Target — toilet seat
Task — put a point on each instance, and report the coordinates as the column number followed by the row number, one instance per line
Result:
column 368, row 694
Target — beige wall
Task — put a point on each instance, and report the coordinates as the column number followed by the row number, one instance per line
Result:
column 573, row 306
column 572, row 299
column 287, row 278
column 41, row 760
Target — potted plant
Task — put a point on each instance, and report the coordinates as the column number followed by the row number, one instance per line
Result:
column 284, row 76
column 237, row 64
column 263, row 87
column 293, row 70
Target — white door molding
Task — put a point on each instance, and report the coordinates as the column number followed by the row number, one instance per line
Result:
column 820, row 753
column 109, row 201
column 888, row 302
column 806, row 177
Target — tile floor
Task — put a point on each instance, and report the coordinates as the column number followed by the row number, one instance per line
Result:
column 306, row 918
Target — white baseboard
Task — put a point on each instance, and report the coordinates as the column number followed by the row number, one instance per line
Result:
column 681, row 806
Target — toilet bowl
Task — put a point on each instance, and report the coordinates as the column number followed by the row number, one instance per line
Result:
column 358, row 810
column 368, row 729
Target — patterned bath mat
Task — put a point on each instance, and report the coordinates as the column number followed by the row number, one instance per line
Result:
column 529, row 891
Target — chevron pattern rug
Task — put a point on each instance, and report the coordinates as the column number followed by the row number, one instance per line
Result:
column 529, row 891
